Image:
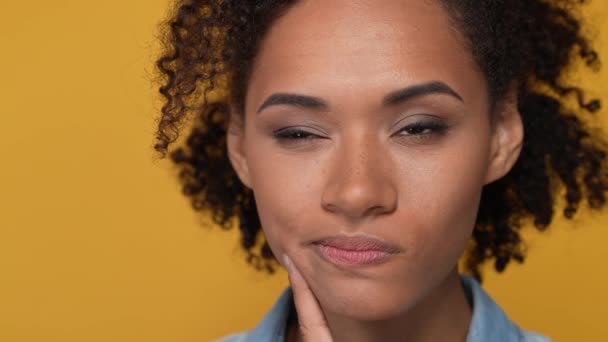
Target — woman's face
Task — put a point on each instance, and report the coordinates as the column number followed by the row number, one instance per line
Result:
column 369, row 118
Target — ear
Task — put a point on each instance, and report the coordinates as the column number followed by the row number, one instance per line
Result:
column 507, row 136
column 235, row 141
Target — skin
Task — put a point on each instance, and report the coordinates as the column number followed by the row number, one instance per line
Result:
column 362, row 170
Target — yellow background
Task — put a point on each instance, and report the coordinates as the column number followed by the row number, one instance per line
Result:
column 96, row 242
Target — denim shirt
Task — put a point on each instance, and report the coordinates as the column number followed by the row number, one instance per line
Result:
column 488, row 323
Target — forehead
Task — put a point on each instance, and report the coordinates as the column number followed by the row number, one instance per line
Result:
column 353, row 48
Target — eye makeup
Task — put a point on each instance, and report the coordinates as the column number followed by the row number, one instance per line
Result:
column 421, row 130
column 294, row 135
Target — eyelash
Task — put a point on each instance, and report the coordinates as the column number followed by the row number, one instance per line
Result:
column 417, row 130
column 291, row 133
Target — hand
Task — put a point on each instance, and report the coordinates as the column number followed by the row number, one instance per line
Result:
column 313, row 324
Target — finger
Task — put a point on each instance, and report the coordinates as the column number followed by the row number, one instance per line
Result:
column 313, row 324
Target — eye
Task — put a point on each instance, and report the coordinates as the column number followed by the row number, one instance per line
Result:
column 424, row 128
column 423, row 131
column 294, row 135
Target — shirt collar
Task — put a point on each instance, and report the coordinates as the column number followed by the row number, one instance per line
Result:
column 272, row 327
column 488, row 323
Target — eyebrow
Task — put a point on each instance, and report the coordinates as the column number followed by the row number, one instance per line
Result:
column 392, row 99
column 405, row 94
column 294, row 100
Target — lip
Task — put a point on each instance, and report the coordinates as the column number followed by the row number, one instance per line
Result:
column 354, row 250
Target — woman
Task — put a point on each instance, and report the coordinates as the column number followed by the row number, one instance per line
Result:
column 376, row 141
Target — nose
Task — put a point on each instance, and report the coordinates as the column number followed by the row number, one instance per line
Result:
column 359, row 184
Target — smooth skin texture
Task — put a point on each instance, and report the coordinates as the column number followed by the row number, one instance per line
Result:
column 391, row 135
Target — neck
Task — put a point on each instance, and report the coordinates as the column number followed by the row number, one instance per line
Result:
column 444, row 314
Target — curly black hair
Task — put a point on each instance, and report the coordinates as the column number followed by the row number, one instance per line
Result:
column 209, row 48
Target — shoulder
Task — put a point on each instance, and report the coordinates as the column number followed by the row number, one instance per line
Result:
column 529, row 336
column 489, row 322
column 239, row 337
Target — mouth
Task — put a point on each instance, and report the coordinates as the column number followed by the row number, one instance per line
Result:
column 354, row 251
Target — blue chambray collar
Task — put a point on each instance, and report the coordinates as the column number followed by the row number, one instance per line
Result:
column 488, row 323
column 272, row 327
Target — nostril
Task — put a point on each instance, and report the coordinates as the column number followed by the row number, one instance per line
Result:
column 330, row 207
column 378, row 210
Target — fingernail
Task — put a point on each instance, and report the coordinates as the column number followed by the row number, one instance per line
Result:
column 287, row 262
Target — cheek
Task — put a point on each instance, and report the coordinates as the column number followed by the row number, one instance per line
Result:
column 443, row 199
column 286, row 193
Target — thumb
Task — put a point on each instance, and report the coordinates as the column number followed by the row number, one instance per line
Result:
column 313, row 324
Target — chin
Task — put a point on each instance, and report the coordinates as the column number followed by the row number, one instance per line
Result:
column 367, row 300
